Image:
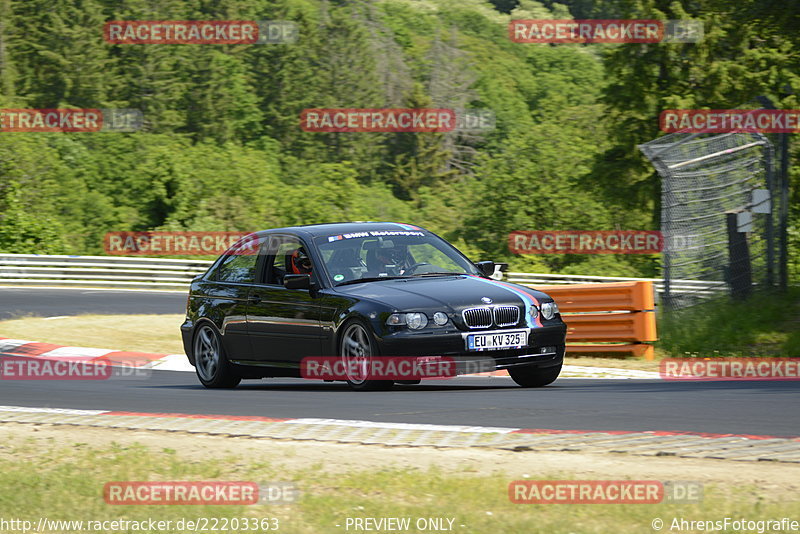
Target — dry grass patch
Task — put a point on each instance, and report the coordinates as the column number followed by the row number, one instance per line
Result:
column 142, row 333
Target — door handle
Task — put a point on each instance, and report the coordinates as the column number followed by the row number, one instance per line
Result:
column 253, row 299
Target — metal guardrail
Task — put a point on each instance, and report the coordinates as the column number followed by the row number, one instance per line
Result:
column 99, row 271
column 159, row 273
column 700, row 287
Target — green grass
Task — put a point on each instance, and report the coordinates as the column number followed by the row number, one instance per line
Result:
column 764, row 325
column 118, row 332
column 66, row 483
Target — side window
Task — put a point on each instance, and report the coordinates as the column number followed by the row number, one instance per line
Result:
column 282, row 249
column 239, row 264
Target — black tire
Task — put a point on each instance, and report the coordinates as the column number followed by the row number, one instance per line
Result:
column 357, row 347
column 211, row 364
column 528, row 376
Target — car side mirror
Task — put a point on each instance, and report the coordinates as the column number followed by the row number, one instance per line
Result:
column 486, row 268
column 297, row 281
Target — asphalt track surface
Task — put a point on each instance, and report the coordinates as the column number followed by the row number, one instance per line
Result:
column 47, row 302
column 762, row 408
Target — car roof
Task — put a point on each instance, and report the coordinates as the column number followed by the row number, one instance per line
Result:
column 314, row 230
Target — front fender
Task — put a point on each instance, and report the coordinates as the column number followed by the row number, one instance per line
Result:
column 371, row 313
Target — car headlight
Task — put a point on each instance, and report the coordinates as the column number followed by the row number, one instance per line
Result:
column 534, row 311
column 414, row 320
column 396, row 319
column 440, row 318
column 549, row 310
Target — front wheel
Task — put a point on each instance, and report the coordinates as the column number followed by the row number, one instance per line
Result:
column 357, row 349
column 210, row 362
column 532, row 377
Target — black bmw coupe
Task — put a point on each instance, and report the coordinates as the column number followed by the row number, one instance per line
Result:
column 359, row 293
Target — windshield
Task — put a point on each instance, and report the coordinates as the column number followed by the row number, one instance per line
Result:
column 377, row 254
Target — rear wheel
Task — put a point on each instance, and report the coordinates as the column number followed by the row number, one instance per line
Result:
column 357, row 349
column 210, row 363
column 532, row 377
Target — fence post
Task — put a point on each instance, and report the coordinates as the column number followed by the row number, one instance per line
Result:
column 740, row 276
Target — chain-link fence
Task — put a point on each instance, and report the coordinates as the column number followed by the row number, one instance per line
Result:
column 716, row 212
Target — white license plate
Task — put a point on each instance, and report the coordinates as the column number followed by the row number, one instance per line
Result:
column 511, row 339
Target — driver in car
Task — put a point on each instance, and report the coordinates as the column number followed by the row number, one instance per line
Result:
column 299, row 262
column 387, row 260
column 392, row 257
column 395, row 260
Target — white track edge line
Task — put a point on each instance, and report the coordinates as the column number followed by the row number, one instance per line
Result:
column 402, row 426
column 60, row 411
column 300, row 421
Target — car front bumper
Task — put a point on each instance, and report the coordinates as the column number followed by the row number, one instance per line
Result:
column 545, row 348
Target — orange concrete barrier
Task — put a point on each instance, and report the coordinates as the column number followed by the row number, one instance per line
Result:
column 614, row 333
column 635, row 327
column 616, row 296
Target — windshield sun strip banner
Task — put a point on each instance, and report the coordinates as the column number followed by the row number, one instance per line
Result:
column 374, row 233
column 407, row 226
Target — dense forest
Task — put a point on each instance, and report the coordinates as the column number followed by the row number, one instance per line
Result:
column 222, row 149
